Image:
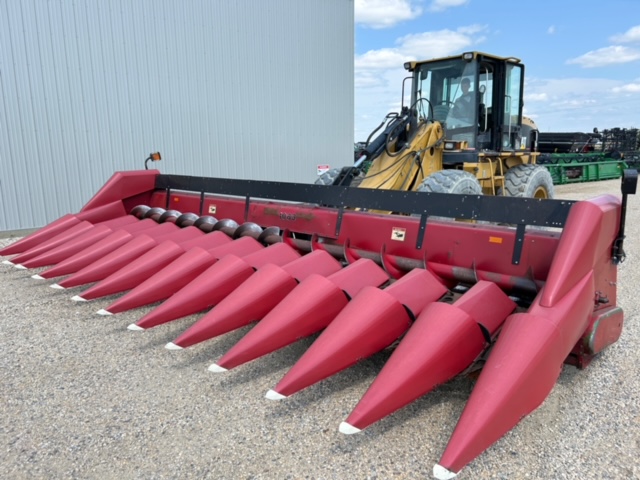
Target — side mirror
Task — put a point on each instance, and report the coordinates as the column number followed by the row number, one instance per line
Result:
column 629, row 181
column 628, row 187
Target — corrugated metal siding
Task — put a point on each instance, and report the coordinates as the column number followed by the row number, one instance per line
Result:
column 243, row 89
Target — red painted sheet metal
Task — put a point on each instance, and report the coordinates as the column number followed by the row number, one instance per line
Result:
column 121, row 186
column 76, row 244
column 102, row 247
column 277, row 254
column 256, row 297
column 205, row 291
column 372, row 321
column 368, row 324
column 218, row 206
column 487, row 305
column 303, row 219
column 104, row 212
column 520, row 372
column 150, row 263
column 360, row 274
column 126, row 254
column 416, row 290
column 251, row 301
column 68, row 248
column 318, row 262
column 180, row 273
column 60, row 239
column 216, row 283
column 166, row 281
column 484, row 247
column 45, row 233
column 443, row 342
column 587, row 236
column 309, row 308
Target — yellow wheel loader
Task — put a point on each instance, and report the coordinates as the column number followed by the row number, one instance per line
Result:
column 463, row 132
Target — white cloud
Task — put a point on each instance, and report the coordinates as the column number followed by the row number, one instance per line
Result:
column 551, row 30
column 536, row 97
column 579, row 104
column 631, row 35
column 559, row 89
column 440, row 5
column 573, row 103
column 382, row 59
column 436, row 44
column 367, row 80
column 385, row 13
column 472, row 29
column 628, row 88
column 419, row 46
column 615, row 54
column 378, row 97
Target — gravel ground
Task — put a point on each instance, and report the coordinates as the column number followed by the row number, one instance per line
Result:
column 83, row 397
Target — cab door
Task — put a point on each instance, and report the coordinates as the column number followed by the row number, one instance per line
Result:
column 512, row 106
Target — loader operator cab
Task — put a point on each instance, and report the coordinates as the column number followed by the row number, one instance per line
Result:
column 476, row 97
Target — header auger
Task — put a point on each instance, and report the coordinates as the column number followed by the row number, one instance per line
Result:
column 504, row 293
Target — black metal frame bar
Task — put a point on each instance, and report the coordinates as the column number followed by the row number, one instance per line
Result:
column 509, row 210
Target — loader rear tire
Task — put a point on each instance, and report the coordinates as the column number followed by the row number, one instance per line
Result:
column 533, row 181
column 329, row 178
column 451, row 181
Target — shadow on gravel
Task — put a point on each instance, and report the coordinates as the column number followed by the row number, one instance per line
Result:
column 152, row 338
column 279, row 361
column 207, row 352
column 357, row 377
column 448, row 400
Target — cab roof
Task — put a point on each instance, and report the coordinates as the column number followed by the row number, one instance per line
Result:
column 468, row 56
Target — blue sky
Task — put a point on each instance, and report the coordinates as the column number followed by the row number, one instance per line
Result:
column 582, row 58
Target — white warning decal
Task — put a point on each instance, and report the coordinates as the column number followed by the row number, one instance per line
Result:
column 398, row 234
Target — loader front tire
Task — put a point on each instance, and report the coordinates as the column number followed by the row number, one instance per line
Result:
column 533, row 181
column 451, row 181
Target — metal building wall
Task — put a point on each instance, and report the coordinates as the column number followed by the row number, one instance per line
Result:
column 238, row 88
